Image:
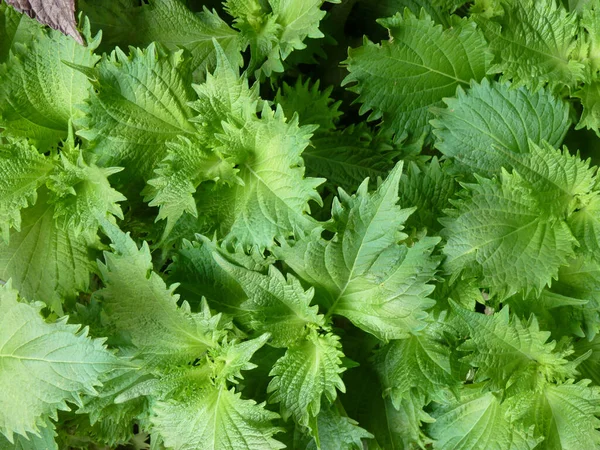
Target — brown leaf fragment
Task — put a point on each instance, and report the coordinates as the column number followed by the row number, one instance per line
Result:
column 58, row 14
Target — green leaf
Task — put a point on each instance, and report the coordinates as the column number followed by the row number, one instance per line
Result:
column 139, row 303
column 362, row 273
column 508, row 352
column 215, row 419
column 46, row 262
column 590, row 366
column 401, row 79
column 421, row 361
column 231, row 358
column 45, row 440
column 139, row 104
column 14, row 28
column 223, row 96
column 271, row 201
column 429, row 188
column 345, row 158
column 401, row 428
column 82, row 195
column 334, row 431
column 308, row 371
column 199, row 275
column 276, row 304
column 585, row 225
column 22, row 172
column 589, row 94
column 501, row 235
column 311, row 104
column 39, row 91
column 564, row 414
column 274, row 28
column 481, row 126
column 478, row 420
column 56, row 361
column 172, row 24
column 534, row 44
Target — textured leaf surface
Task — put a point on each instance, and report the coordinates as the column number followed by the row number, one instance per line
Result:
column 508, row 351
column 362, row 273
column 139, row 303
column 498, row 235
column 172, row 24
column 478, row 421
column 82, row 195
column 421, row 64
column 566, row 415
column 55, row 361
column 345, row 158
column 138, row 105
column 214, row 419
column 493, row 116
column 308, row 371
column 45, row 262
column 337, row 432
column 275, row 304
column 271, row 202
column 422, row 361
column 22, row 171
column 429, row 189
column 533, row 44
column 39, row 92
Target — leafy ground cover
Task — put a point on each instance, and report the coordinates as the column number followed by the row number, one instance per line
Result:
column 265, row 224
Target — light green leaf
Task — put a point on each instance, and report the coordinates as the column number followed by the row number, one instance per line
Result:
column 82, row 195
column 14, row 27
column 223, row 96
column 534, row 43
column 428, row 188
column 401, row 79
column 39, row 92
column 481, row 126
column 199, row 275
column 585, row 225
column 215, row 419
column 310, row 103
column 421, row 361
column 308, row 371
column 45, row 440
column 276, row 304
column 138, row 105
column 229, row 359
column 271, row 202
column 508, row 352
column 362, row 273
column 139, row 303
column 274, row 28
column 402, row 428
column 478, row 421
column 55, row 361
column 501, row 235
column 566, row 415
column 45, row 262
column 22, row 171
column 334, row 431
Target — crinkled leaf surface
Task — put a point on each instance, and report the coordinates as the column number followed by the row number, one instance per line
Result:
column 56, row 361
column 401, row 79
column 362, row 273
